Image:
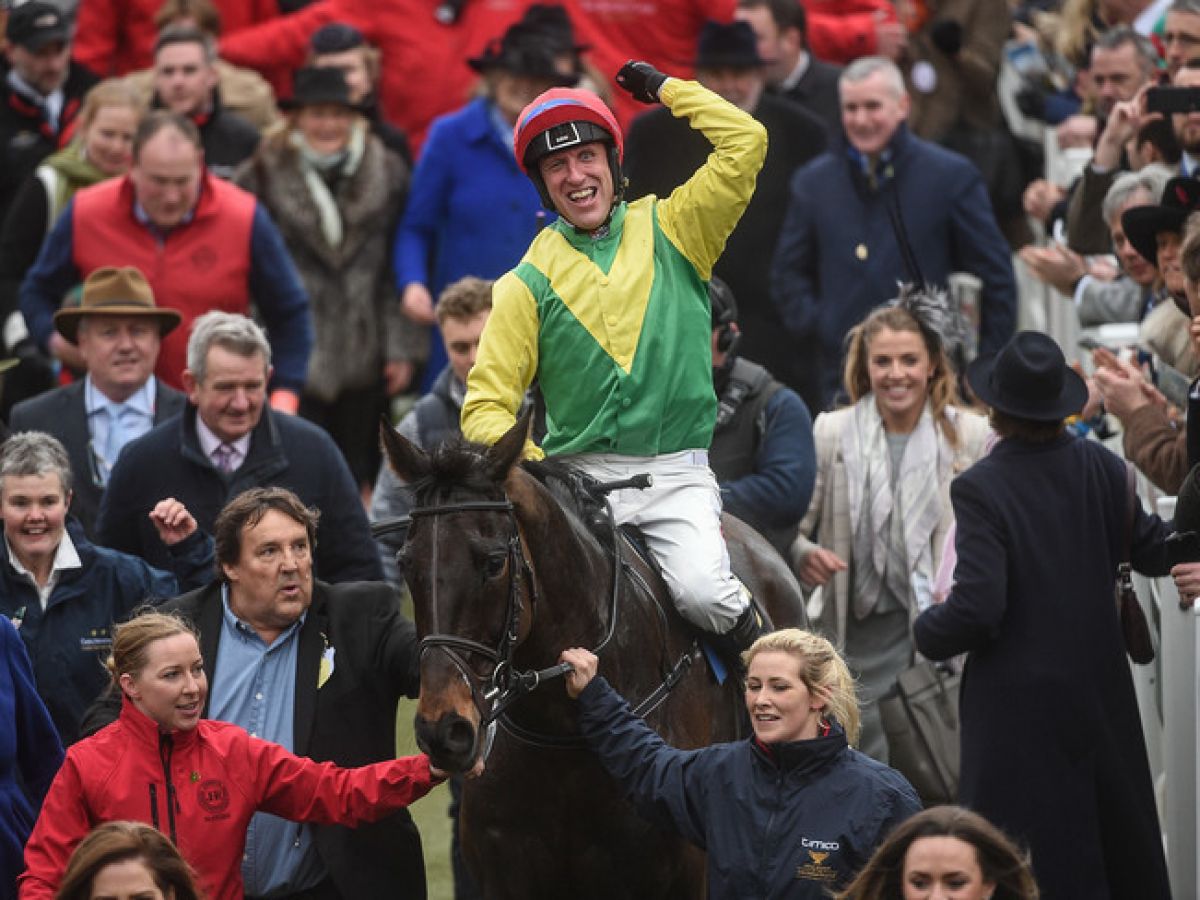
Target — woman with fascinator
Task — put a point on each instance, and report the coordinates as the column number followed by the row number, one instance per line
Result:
column 881, row 506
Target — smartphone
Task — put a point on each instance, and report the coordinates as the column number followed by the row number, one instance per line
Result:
column 1173, row 99
column 1090, row 344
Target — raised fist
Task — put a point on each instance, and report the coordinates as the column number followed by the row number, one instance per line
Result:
column 641, row 80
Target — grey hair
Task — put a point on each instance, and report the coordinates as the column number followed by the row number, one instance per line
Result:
column 1151, row 179
column 230, row 331
column 35, row 453
column 1115, row 38
column 864, row 68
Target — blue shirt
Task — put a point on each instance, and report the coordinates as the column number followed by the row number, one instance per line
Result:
column 138, row 420
column 254, row 686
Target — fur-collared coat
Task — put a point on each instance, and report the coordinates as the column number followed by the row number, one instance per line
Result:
column 355, row 307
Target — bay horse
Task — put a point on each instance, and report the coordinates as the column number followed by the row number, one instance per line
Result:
column 505, row 572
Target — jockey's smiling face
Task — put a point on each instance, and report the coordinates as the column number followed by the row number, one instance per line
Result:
column 580, row 184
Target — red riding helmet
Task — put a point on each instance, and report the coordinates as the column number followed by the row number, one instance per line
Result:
column 562, row 118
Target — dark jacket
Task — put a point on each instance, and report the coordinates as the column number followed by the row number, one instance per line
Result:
column 1051, row 736
column 284, row 450
column 350, row 720
column 817, row 92
column 762, row 452
column 62, row 413
column 783, row 822
column 69, row 640
column 25, row 136
column 838, row 256
column 662, row 152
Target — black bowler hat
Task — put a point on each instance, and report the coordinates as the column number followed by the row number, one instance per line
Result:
column 555, row 23
column 1143, row 224
column 526, row 49
column 1029, row 378
column 319, row 84
column 731, row 46
column 35, row 24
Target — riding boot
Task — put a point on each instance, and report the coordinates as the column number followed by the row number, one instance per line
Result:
column 748, row 628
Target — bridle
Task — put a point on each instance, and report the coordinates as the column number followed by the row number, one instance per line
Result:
column 505, row 685
column 495, row 693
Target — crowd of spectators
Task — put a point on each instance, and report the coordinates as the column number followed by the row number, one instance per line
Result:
column 234, row 234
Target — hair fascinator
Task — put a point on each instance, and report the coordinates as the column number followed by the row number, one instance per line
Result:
column 934, row 312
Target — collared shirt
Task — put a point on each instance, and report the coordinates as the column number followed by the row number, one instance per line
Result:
column 209, row 443
column 797, row 73
column 140, row 420
column 139, row 213
column 1188, row 165
column 66, row 557
column 50, row 104
column 254, row 686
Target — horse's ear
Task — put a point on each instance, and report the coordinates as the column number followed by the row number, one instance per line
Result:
column 408, row 460
column 507, row 451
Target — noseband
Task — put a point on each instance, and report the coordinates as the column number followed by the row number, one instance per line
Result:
column 505, row 685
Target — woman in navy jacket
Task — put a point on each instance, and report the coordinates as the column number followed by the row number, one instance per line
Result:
column 788, row 814
column 1052, row 745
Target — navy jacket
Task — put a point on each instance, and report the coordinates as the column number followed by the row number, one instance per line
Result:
column 1052, row 747
column 786, row 822
column 285, row 450
column 69, row 641
column 838, row 256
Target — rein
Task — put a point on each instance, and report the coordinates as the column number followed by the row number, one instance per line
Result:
column 506, row 684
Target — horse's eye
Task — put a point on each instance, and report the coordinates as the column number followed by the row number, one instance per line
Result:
column 494, row 564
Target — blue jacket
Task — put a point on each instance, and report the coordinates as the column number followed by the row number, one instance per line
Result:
column 838, row 256
column 470, row 210
column 784, row 822
column 30, row 754
column 69, row 640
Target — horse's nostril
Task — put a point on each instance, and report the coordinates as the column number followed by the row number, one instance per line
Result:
column 459, row 736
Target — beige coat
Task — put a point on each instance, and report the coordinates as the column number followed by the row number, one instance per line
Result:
column 829, row 511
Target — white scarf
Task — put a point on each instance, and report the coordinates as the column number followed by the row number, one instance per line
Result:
column 314, row 164
column 876, row 554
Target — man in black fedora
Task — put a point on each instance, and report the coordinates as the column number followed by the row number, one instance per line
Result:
column 118, row 329
column 1051, row 737
column 662, row 152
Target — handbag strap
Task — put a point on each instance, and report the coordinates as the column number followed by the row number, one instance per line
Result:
column 1131, row 513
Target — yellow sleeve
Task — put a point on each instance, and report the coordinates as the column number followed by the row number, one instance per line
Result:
column 702, row 212
column 504, row 367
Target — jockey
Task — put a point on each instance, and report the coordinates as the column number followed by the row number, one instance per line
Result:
column 609, row 310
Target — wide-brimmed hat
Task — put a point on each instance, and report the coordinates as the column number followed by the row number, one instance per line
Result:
column 1143, row 224
column 555, row 23
column 526, row 49
column 35, row 24
column 728, row 46
column 1029, row 378
column 112, row 291
column 316, row 85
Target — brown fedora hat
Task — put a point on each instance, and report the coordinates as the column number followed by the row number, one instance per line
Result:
column 112, row 291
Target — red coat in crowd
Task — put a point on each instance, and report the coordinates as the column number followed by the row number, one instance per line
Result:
column 840, row 31
column 200, row 788
column 115, row 37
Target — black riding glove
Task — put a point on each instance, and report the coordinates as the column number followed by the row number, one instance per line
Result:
column 947, row 36
column 641, row 80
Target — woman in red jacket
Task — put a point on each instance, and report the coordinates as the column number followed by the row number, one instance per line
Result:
column 197, row 781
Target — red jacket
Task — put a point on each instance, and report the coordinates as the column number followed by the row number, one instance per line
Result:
column 115, row 37
column 200, row 788
column 840, row 31
column 202, row 266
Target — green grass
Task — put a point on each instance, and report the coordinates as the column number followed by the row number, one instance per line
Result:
column 430, row 815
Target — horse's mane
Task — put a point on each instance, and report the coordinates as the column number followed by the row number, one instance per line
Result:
column 462, row 465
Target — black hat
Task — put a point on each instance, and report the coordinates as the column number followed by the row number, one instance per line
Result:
column 1029, row 378
column 525, row 50
column 319, row 84
column 1143, row 224
column 728, row 46
column 336, row 37
column 554, row 22
column 35, row 24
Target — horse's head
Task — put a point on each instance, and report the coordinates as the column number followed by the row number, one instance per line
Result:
column 470, row 581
